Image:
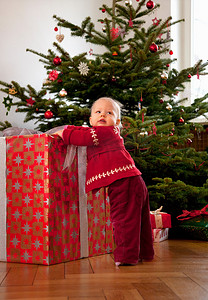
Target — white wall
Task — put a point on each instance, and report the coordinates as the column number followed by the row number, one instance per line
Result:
column 29, row 24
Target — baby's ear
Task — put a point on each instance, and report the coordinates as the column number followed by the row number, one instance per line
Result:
column 118, row 121
column 90, row 120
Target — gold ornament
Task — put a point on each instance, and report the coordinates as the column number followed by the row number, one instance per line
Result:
column 12, row 91
column 59, row 37
column 63, row 93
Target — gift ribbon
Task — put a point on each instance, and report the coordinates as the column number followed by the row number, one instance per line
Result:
column 186, row 215
column 3, row 201
column 82, row 164
column 158, row 217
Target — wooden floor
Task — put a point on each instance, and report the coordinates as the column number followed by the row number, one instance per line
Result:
column 179, row 271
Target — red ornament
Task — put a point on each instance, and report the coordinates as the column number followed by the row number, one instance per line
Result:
column 115, row 53
column 171, row 52
column 57, row 61
column 48, row 114
column 56, row 29
column 167, row 65
column 189, row 75
column 53, row 75
column 153, row 48
column 161, row 101
column 150, row 4
column 113, row 79
column 171, row 134
column 103, row 10
column 137, row 0
column 181, row 120
column 30, row 101
column 175, row 144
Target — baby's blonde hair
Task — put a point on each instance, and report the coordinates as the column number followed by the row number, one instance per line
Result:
column 115, row 103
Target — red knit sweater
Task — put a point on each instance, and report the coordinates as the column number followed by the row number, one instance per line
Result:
column 107, row 158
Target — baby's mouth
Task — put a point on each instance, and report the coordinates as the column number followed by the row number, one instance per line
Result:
column 102, row 121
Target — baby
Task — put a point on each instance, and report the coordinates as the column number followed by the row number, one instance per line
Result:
column 110, row 165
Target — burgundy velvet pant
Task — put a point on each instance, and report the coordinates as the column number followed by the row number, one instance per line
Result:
column 130, row 216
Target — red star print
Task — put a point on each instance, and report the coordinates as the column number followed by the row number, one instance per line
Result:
column 155, row 21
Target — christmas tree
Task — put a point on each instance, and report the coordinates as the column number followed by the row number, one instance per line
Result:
column 136, row 68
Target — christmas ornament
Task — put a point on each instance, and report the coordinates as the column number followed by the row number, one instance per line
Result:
column 161, row 101
column 164, row 76
column 175, row 144
column 7, row 103
column 189, row 75
column 167, row 65
column 150, row 4
column 155, row 21
column 12, row 91
column 171, row 52
column 114, row 33
column 83, row 68
column 56, row 29
column 103, row 10
column 53, row 75
column 63, row 93
column 30, row 101
column 57, row 61
column 59, row 80
column 91, row 51
column 104, row 29
column 189, row 141
column 154, row 129
column 113, row 78
column 181, row 120
column 153, row 48
column 131, row 23
column 60, row 37
column 169, row 107
column 171, row 134
column 115, row 53
column 48, row 114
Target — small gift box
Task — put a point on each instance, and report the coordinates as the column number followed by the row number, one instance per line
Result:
column 160, row 235
column 194, row 224
column 159, row 219
column 45, row 215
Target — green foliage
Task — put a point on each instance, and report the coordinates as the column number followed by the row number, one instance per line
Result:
column 176, row 196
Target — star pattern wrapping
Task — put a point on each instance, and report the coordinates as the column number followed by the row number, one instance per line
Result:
column 43, row 222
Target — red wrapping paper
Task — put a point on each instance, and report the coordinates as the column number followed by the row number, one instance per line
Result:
column 160, row 220
column 43, row 221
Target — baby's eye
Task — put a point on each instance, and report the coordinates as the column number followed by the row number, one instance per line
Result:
column 97, row 112
column 109, row 112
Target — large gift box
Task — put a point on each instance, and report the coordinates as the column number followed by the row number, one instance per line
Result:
column 45, row 215
column 194, row 224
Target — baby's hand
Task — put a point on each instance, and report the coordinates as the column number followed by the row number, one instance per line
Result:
column 59, row 133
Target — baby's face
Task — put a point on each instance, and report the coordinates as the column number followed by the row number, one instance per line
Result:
column 104, row 114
